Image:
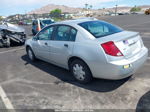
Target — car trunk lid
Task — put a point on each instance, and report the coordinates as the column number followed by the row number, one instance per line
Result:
column 129, row 43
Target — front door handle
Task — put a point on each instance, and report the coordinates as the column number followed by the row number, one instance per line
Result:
column 66, row 45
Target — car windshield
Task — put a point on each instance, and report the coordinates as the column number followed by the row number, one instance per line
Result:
column 46, row 22
column 99, row 28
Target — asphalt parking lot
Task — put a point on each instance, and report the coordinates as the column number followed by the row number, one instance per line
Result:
column 41, row 85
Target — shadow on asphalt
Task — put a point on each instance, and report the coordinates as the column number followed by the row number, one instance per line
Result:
column 98, row 85
column 144, row 103
column 13, row 45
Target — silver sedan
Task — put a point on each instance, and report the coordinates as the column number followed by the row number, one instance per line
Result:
column 89, row 48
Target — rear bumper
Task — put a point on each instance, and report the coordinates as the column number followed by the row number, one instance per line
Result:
column 115, row 70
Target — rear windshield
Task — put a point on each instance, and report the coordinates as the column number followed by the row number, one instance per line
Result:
column 46, row 22
column 99, row 28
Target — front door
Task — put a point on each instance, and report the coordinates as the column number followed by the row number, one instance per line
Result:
column 41, row 44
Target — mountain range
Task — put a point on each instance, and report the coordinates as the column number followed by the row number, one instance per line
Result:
column 50, row 7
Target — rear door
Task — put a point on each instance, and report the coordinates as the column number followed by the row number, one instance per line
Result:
column 62, row 44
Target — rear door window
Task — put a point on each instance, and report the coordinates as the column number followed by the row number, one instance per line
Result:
column 65, row 33
column 73, row 34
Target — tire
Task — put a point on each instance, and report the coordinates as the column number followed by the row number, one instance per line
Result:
column 30, row 54
column 22, row 43
column 7, row 44
column 1, row 44
column 23, row 40
column 81, row 71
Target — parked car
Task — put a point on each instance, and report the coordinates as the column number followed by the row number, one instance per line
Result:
column 11, row 35
column 89, row 48
column 20, row 23
column 147, row 12
column 38, row 24
column 134, row 13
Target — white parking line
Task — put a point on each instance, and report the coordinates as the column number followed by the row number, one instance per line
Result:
column 6, row 100
column 12, row 50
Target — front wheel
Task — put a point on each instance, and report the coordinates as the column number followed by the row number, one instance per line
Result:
column 81, row 71
column 31, row 54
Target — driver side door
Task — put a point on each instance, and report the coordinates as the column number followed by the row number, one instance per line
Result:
column 41, row 44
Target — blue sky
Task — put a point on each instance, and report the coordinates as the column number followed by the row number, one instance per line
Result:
column 9, row 7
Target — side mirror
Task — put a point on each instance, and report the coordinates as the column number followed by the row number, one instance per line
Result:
column 35, row 38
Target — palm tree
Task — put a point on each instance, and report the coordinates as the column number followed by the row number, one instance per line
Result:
column 86, row 6
column 91, row 6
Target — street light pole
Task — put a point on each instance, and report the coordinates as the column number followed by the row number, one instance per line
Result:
column 116, row 10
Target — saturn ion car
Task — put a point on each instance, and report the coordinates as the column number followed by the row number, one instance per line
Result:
column 89, row 48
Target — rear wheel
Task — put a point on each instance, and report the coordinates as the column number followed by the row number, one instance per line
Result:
column 7, row 42
column 31, row 54
column 1, row 43
column 81, row 71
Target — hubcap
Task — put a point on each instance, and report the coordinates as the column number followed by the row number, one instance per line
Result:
column 78, row 72
column 30, row 54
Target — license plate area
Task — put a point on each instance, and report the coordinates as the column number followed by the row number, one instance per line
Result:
column 135, row 48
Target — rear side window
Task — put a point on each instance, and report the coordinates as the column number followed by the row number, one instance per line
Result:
column 100, row 29
column 73, row 34
column 46, row 22
column 65, row 33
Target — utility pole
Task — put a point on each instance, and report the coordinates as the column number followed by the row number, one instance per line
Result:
column 86, row 8
column 116, row 10
column 25, row 14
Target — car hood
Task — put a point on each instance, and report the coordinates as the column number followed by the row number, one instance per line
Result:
column 11, row 27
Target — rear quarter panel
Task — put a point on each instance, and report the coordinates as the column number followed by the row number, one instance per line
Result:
column 92, row 54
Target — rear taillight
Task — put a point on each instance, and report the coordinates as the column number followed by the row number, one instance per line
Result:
column 111, row 49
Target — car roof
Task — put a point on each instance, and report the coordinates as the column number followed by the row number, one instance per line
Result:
column 76, row 21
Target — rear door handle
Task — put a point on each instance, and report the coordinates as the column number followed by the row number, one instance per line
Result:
column 66, row 45
column 46, row 44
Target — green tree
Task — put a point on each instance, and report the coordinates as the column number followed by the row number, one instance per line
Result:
column 56, row 13
column 1, row 18
column 135, row 9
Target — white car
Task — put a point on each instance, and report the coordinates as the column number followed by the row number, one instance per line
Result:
column 89, row 48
